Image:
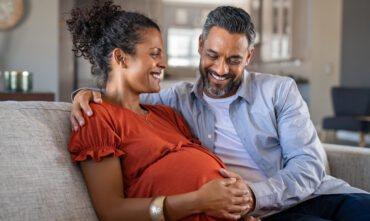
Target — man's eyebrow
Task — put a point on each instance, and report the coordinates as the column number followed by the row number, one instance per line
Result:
column 212, row 51
column 235, row 57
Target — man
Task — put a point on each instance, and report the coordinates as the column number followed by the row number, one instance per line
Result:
column 258, row 125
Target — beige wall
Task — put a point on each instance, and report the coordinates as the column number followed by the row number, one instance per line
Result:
column 325, row 56
column 319, row 53
column 32, row 45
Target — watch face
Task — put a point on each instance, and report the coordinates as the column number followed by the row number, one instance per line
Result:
column 10, row 13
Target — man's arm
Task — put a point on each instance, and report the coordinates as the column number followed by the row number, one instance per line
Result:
column 83, row 96
column 302, row 154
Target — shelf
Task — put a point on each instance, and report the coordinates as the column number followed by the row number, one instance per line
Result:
column 21, row 96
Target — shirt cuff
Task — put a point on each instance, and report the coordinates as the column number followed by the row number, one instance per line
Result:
column 265, row 198
column 86, row 88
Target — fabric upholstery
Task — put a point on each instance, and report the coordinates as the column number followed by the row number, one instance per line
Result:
column 351, row 164
column 344, row 123
column 38, row 180
column 351, row 101
column 348, row 103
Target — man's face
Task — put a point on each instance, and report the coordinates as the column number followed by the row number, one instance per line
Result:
column 223, row 57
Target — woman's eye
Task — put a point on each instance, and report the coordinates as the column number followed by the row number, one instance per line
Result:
column 154, row 55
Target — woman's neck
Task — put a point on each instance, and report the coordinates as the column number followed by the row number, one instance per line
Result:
column 123, row 97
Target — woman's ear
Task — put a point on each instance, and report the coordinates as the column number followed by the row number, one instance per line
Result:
column 119, row 57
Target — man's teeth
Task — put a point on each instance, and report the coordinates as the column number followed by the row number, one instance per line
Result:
column 218, row 78
column 157, row 76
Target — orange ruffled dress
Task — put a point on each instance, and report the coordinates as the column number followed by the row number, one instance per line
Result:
column 157, row 153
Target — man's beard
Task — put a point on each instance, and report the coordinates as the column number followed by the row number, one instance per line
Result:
column 219, row 92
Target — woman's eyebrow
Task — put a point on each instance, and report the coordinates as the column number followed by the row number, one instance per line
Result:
column 157, row 48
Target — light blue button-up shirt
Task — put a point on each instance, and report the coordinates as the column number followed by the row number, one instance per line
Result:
column 273, row 123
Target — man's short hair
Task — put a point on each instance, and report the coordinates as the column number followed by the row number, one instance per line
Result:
column 234, row 20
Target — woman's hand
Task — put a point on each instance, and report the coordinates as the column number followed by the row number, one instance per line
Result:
column 220, row 198
column 81, row 101
column 242, row 185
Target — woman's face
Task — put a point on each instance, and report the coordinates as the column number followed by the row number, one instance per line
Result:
column 144, row 69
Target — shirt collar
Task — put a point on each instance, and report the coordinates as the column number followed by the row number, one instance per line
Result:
column 245, row 89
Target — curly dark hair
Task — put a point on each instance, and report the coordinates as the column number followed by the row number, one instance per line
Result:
column 99, row 29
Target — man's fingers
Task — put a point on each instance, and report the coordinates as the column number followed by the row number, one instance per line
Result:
column 77, row 114
column 238, row 209
column 231, row 216
column 86, row 108
column 242, row 200
column 228, row 174
column 97, row 97
column 74, row 123
column 228, row 181
column 251, row 218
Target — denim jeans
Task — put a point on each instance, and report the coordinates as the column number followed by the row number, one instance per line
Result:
column 341, row 207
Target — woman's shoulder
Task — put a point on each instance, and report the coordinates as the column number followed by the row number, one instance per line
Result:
column 164, row 109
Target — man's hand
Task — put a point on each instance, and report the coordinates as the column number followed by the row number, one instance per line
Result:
column 81, row 101
column 251, row 200
column 251, row 218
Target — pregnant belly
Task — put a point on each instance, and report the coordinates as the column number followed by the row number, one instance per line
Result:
column 178, row 172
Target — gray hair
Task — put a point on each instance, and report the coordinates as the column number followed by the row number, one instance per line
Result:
column 234, row 20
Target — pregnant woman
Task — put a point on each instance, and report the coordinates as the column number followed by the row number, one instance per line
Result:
column 140, row 162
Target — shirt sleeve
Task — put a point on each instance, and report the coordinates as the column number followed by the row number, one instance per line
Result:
column 87, row 88
column 302, row 154
column 96, row 139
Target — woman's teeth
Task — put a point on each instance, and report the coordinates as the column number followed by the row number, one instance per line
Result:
column 157, row 76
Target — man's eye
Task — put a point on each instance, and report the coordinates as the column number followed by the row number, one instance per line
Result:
column 212, row 56
column 234, row 62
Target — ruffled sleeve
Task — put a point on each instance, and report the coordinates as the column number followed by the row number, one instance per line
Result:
column 97, row 139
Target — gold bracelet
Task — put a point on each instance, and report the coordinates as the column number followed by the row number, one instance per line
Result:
column 156, row 209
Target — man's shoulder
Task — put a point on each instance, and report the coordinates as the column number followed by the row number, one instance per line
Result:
column 268, row 80
column 183, row 88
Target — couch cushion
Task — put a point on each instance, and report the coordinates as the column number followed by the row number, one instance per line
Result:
column 37, row 178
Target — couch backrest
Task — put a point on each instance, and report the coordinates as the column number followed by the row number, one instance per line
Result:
column 37, row 178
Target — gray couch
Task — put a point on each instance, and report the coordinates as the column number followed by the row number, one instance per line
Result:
column 39, row 182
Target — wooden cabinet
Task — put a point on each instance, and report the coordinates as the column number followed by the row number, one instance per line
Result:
column 276, row 30
column 20, row 96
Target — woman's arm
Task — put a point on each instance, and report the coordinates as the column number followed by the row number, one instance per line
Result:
column 105, row 185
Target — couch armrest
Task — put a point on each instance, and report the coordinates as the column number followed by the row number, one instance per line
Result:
column 351, row 164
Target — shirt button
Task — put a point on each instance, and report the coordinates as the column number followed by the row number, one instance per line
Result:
column 209, row 136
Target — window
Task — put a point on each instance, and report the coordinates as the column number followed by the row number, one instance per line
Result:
column 182, row 47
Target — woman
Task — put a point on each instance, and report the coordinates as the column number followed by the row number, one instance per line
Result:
column 140, row 161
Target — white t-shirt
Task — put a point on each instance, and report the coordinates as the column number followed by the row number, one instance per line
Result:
column 227, row 142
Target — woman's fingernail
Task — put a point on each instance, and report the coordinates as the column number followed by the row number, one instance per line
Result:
column 89, row 113
column 75, row 128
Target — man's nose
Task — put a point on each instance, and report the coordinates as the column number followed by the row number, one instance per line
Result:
column 221, row 67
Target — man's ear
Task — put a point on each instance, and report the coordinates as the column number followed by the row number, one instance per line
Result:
column 200, row 43
column 249, row 57
column 119, row 57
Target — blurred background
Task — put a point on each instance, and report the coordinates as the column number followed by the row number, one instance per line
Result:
column 321, row 44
